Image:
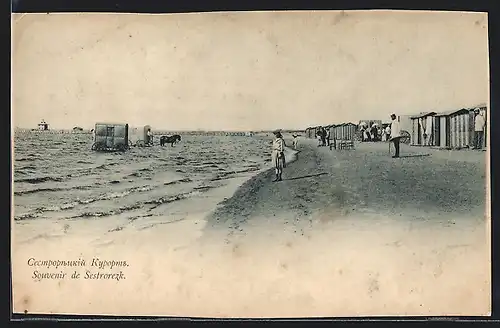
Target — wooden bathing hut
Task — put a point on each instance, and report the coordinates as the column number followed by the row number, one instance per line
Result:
column 422, row 133
column 349, row 131
column 331, row 128
column 343, row 135
column 111, row 137
column 316, row 130
column 309, row 132
column 312, row 132
column 337, row 131
column 442, row 124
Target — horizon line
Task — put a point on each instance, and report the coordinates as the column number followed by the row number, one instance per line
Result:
column 167, row 130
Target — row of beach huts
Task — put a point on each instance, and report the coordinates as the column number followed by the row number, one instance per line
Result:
column 344, row 131
column 449, row 130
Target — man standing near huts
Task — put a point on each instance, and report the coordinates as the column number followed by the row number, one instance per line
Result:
column 278, row 154
column 479, row 123
column 395, row 134
column 149, row 137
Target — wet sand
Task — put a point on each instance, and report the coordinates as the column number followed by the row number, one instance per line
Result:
column 346, row 233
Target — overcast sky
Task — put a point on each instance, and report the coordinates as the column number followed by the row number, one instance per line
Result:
column 244, row 71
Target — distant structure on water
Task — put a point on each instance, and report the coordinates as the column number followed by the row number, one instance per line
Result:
column 43, row 126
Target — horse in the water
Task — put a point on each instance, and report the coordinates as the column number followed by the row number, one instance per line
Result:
column 170, row 140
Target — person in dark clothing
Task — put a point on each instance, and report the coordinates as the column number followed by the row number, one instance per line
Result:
column 374, row 132
column 321, row 134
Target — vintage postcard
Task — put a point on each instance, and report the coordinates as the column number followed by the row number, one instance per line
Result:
column 251, row 164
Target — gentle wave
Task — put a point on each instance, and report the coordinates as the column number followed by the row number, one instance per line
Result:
column 40, row 179
column 73, row 204
column 33, row 191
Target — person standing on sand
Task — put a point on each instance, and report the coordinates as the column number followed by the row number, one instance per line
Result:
column 387, row 132
column 322, row 136
column 150, row 137
column 318, row 136
column 479, row 123
column 278, row 154
column 295, row 142
column 395, row 134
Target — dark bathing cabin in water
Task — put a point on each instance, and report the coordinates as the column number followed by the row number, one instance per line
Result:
column 111, row 137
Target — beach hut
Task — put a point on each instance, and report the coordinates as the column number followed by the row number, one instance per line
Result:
column 454, row 129
column 343, row 135
column 331, row 128
column 461, row 128
column 442, row 128
column 316, row 130
column 422, row 133
column 309, row 132
column 342, row 130
column 337, row 131
column 111, row 136
column 312, row 132
column 349, row 131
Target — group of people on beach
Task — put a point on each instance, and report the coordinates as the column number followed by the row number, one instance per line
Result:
column 323, row 136
column 374, row 132
column 391, row 133
column 278, row 144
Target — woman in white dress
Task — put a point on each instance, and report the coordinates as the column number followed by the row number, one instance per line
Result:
column 278, row 154
column 295, row 141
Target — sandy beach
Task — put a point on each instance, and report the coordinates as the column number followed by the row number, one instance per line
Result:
column 346, row 233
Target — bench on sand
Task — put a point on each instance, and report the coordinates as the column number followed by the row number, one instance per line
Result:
column 342, row 144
